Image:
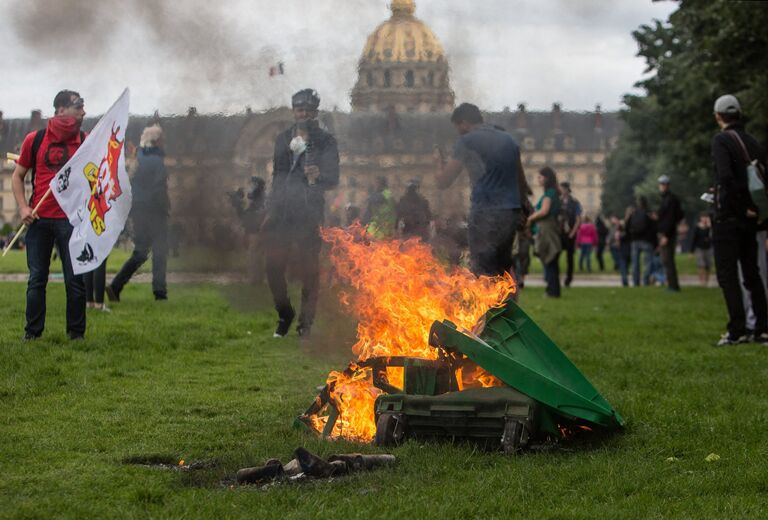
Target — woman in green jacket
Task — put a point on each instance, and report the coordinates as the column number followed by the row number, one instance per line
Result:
column 547, row 245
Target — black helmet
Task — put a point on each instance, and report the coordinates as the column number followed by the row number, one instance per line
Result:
column 307, row 98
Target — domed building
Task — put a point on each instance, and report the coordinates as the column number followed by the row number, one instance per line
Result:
column 403, row 67
column 401, row 108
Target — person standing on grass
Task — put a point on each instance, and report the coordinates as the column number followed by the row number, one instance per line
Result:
column 642, row 236
column 492, row 159
column 151, row 207
column 602, row 240
column 546, row 230
column 734, row 225
column 306, row 165
column 669, row 216
column 43, row 153
column 570, row 220
column 587, row 240
column 701, row 247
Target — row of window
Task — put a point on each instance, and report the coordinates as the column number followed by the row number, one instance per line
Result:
column 570, row 177
column 409, row 79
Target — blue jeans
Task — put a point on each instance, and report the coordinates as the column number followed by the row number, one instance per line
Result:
column 586, row 254
column 620, row 259
column 639, row 247
column 40, row 239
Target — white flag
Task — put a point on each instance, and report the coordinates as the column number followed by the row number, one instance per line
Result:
column 94, row 191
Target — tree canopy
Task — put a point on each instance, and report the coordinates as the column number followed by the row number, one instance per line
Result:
column 705, row 49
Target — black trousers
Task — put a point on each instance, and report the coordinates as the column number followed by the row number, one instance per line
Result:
column 552, row 277
column 302, row 250
column 95, row 281
column 735, row 245
column 491, row 236
column 40, row 239
column 667, row 254
column 150, row 230
column 569, row 247
column 600, row 251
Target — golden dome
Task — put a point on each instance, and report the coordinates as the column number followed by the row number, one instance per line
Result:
column 403, row 38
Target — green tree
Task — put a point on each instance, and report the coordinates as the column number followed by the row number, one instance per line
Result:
column 704, row 50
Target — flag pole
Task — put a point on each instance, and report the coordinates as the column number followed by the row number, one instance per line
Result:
column 24, row 226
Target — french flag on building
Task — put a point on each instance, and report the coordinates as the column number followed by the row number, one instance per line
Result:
column 277, row 70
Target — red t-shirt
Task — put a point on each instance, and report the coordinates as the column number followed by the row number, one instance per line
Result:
column 61, row 140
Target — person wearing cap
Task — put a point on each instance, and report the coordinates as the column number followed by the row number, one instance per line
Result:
column 668, row 217
column 571, row 211
column 734, row 224
column 306, row 165
column 413, row 214
column 149, row 214
column 43, row 153
column 492, row 159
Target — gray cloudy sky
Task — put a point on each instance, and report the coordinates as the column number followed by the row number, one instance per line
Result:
column 216, row 54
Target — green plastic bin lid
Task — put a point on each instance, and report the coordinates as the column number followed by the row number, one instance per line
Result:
column 514, row 349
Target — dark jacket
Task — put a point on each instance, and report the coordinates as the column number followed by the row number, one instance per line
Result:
column 640, row 226
column 670, row 214
column 292, row 200
column 732, row 197
column 150, row 183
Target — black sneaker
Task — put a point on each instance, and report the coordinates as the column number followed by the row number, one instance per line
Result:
column 727, row 340
column 112, row 294
column 761, row 338
column 76, row 337
column 284, row 322
column 29, row 337
column 160, row 296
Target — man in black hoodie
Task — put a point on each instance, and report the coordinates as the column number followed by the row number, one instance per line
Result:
column 669, row 216
column 735, row 223
column 306, row 164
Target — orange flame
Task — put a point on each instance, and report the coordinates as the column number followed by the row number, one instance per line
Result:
column 400, row 289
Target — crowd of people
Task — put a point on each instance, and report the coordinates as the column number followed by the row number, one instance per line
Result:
column 499, row 233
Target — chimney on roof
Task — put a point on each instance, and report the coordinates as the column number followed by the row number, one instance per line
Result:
column 598, row 118
column 557, row 117
column 191, row 112
column 521, row 118
column 35, row 120
column 155, row 118
column 248, row 111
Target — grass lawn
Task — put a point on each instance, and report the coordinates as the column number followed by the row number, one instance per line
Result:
column 200, row 378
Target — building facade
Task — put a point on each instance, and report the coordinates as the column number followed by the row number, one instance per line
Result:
column 400, row 115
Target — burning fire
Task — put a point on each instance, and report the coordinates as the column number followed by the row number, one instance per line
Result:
column 399, row 290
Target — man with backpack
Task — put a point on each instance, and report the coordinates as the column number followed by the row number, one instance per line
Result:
column 570, row 220
column 44, row 153
column 669, row 216
column 735, row 221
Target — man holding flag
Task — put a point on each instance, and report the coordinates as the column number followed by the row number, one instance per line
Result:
column 44, row 153
column 80, row 201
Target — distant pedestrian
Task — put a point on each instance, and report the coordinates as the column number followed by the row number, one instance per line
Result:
column 701, row 247
column 95, row 284
column 735, row 223
column 546, row 230
column 642, row 236
column 618, row 244
column 669, row 216
column 413, row 214
column 379, row 217
column 570, row 220
column 586, row 240
column 602, row 240
column 149, row 214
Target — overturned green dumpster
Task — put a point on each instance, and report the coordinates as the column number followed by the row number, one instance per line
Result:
column 534, row 393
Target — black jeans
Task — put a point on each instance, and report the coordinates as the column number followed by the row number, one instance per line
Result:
column 569, row 247
column 735, row 244
column 95, row 281
column 280, row 248
column 667, row 254
column 150, row 230
column 600, row 250
column 552, row 277
column 491, row 236
column 40, row 239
